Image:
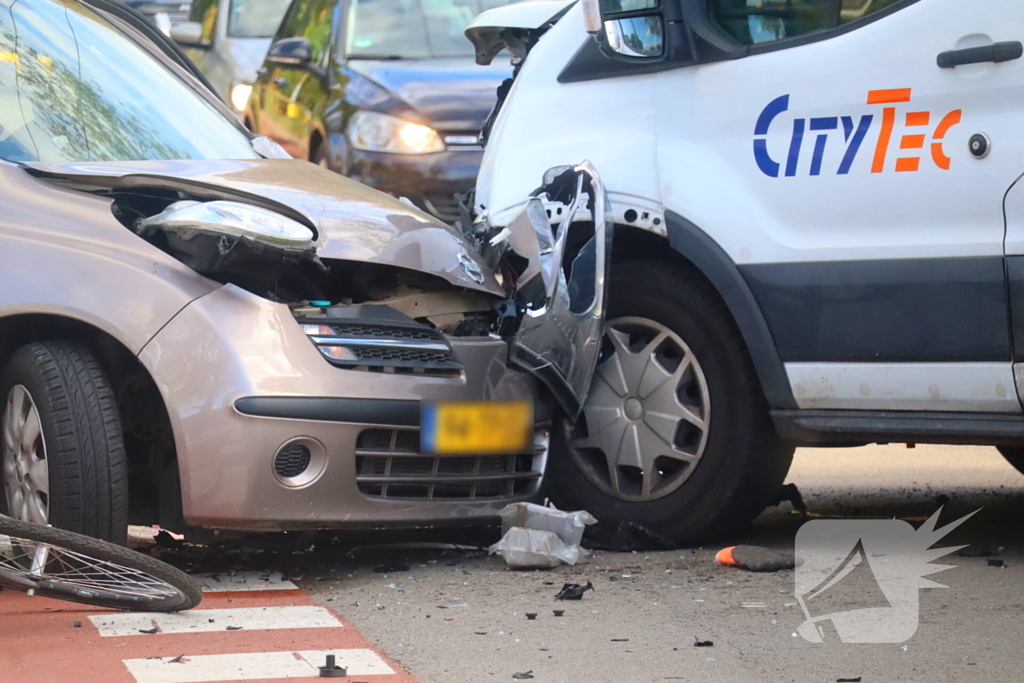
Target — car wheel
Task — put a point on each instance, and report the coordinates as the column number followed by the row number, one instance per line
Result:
column 62, row 449
column 321, row 156
column 675, row 434
column 1014, row 455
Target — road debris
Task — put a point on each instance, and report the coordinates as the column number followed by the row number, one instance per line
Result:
column 620, row 640
column 531, row 615
column 76, row 624
column 330, row 669
column 848, row 680
column 537, row 537
column 697, row 642
column 391, row 568
column 996, row 563
column 755, row 558
column 233, row 628
column 149, row 631
column 573, row 591
column 524, row 675
column 177, row 660
column 558, row 612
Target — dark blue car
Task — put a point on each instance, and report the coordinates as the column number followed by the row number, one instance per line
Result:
column 383, row 91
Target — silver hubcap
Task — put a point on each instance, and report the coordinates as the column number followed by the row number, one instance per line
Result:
column 26, row 476
column 645, row 424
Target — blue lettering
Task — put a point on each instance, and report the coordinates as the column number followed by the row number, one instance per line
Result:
column 768, row 166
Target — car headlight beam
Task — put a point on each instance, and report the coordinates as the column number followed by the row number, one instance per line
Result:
column 240, row 95
column 375, row 132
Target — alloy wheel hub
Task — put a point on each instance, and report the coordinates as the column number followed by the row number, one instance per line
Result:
column 25, row 473
column 646, row 421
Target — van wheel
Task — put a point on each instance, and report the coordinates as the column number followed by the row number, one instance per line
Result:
column 62, row 450
column 1014, row 455
column 675, row 435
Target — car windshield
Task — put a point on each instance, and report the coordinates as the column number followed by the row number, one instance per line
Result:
column 255, row 18
column 412, row 29
column 75, row 88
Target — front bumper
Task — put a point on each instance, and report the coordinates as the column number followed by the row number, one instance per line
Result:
column 241, row 379
column 431, row 181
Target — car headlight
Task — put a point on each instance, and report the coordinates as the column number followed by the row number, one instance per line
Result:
column 240, row 95
column 375, row 132
column 233, row 219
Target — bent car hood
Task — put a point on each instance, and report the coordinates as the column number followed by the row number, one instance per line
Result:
column 353, row 222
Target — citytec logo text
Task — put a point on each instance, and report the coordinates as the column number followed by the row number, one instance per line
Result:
column 905, row 139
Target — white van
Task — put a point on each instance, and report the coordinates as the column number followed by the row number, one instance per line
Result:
column 819, row 233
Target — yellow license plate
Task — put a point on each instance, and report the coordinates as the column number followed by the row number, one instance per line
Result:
column 477, row 427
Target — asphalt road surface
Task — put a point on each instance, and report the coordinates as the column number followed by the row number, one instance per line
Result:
column 460, row 616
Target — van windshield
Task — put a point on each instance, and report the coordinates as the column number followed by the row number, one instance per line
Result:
column 412, row 29
column 74, row 88
column 255, row 18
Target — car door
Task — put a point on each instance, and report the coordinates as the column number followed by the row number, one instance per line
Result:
column 833, row 164
column 292, row 91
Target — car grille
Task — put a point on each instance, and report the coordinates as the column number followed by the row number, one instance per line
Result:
column 382, row 346
column 445, row 207
column 389, row 465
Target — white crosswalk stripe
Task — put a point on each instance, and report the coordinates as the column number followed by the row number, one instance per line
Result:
column 253, row 666
column 244, row 581
column 207, row 620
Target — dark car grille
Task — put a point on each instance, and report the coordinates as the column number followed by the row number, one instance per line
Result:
column 385, row 347
column 445, row 207
column 389, row 465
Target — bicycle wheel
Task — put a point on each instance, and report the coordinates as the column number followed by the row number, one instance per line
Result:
column 60, row 564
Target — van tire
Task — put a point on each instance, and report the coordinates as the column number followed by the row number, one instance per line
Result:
column 81, row 433
column 743, row 463
column 1014, row 455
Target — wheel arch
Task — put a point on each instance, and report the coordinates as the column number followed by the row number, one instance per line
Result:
column 699, row 250
column 149, row 440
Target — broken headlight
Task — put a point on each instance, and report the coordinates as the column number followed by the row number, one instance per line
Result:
column 375, row 132
column 230, row 219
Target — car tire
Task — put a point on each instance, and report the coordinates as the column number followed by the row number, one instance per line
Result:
column 1014, row 455
column 321, row 156
column 737, row 463
column 78, row 457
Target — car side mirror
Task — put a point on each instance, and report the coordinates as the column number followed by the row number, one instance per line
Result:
column 626, row 29
column 189, row 34
column 297, row 51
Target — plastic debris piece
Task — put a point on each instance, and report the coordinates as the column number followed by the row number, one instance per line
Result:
column 523, row 675
column 531, row 615
column 697, row 642
column 573, row 591
column 391, row 568
column 848, row 680
column 76, row 624
column 177, row 660
column 233, row 628
column 755, row 558
column 559, row 612
column 525, row 548
column 620, row 640
column 149, row 631
column 330, row 669
column 996, row 563
column 568, row 526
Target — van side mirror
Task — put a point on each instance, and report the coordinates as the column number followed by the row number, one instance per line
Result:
column 189, row 34
column 630, row 29
column 297, row 51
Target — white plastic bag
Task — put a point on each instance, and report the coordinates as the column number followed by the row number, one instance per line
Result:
column 568, row 526
column 534, row 549
column 536, row 537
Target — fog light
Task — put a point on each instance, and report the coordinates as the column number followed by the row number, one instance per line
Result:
column 291, row 461
column 300, row 461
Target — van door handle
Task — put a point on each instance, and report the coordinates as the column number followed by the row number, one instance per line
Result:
column 281, row 82
column 997, row 52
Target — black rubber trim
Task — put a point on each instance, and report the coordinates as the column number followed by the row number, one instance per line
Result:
column 848, row 427
column 1015, row 285
column 371, row 411
column 375, row 411
column 693, row 243
column 925, row 310
column 997, row 52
